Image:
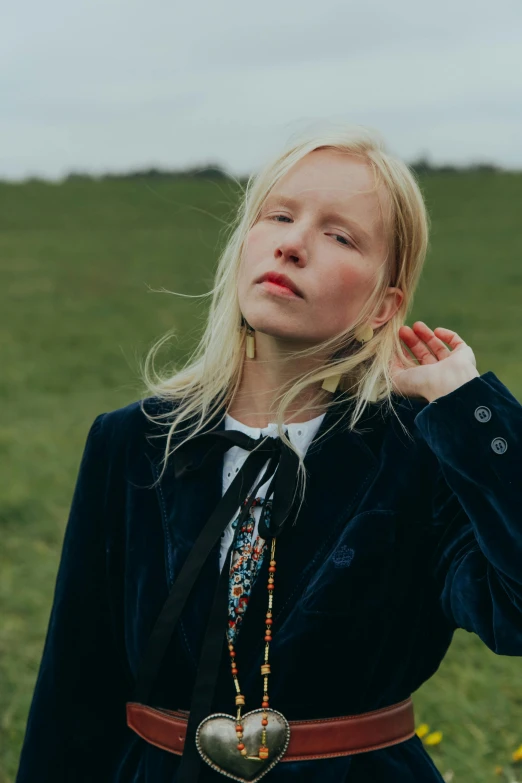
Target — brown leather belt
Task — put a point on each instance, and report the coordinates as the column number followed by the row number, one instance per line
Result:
column 309, row 739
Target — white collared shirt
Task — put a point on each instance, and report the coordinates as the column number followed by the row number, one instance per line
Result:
column 300, row 435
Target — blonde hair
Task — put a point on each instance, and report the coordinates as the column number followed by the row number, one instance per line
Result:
column 212, row 374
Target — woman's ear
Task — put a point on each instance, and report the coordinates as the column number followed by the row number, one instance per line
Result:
column 389, row 306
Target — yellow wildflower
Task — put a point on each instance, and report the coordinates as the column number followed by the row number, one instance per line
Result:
column 422, row 730
column 499, row 770
column 517, row 754
column 434, row 738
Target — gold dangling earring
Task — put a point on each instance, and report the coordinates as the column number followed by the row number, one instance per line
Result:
column 331, row 384
column 250, row 343
column 250, row 339
column 362, row 334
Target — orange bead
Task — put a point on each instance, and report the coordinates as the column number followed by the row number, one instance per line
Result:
column 264, row 722
column 272, row 570
column 264, row 704
column 240, row 746
column 269, row 621
column 270, row 586
column 235, row 671
column 232, row 653
column 268, row 638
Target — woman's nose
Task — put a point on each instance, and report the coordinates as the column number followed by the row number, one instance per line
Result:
column 293, row 246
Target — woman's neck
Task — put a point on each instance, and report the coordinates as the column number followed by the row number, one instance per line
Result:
column 255, row 402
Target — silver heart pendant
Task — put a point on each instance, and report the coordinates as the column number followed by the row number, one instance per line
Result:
column 216, row 742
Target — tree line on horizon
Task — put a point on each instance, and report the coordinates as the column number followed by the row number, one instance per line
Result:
column 420, row 166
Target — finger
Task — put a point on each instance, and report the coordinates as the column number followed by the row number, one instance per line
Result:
column 434, row 343
column 407, row 354
column 417, row 346
column 449, row 336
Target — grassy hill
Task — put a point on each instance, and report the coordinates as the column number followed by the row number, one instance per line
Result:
column 80, row 262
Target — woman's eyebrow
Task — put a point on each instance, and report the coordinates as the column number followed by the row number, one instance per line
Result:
column 328, row 212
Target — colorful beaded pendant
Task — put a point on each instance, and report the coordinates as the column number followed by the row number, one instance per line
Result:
column 246, row 747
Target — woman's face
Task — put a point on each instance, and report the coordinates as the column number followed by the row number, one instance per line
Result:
column 321, row 227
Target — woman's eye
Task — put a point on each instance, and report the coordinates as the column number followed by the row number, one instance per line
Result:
column 347, row 241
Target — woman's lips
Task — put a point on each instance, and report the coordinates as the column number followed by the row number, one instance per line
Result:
column 278, row 290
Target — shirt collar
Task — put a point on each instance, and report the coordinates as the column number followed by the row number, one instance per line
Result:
column 300, row 434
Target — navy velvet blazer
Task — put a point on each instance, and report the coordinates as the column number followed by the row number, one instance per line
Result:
column 400, row 541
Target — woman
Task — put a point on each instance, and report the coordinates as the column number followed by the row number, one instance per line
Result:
column 353, row 481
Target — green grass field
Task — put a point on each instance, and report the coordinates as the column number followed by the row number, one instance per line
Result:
column 80, row 262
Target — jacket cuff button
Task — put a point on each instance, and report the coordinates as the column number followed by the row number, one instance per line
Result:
column 499, row 445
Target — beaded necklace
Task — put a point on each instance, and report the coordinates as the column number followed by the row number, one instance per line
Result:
column 213, row 739
column 247, row 559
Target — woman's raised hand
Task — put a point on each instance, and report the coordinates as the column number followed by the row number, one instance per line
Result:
column 440, row 370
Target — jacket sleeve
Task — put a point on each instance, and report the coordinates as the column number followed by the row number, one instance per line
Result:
column 475, row 432
column 77, row 715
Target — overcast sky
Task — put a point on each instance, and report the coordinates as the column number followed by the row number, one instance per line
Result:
column 115, row 85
